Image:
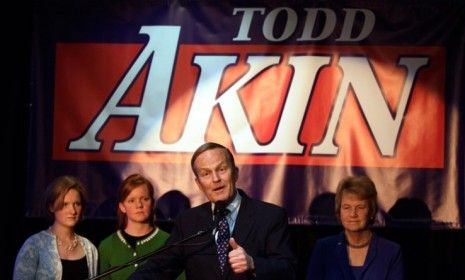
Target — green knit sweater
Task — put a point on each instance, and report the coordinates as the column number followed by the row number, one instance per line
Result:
column 114, row 250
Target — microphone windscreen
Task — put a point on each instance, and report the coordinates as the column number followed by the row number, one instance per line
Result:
column 219, row 207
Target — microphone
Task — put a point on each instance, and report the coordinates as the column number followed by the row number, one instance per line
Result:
column 219, row 210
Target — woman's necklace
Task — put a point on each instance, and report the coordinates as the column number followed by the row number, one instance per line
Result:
column 359, row 246
column 60, row 243
column 71, row 246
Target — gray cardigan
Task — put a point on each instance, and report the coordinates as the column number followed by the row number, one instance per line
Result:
column 38, row 257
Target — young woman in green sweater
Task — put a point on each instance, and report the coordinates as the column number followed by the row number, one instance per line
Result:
column 137, row 233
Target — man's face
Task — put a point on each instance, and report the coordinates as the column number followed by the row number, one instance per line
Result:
column 215, row 177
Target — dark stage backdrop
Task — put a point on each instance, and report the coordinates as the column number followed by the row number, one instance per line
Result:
column 303, row 92
column 421, row 184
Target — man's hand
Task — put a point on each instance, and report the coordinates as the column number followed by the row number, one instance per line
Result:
column 239, row 259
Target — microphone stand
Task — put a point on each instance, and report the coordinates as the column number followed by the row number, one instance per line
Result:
column 148, row 255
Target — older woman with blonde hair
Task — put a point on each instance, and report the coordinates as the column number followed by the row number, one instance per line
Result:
column 357, row 252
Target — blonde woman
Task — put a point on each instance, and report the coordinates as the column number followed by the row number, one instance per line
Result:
column 356, row 253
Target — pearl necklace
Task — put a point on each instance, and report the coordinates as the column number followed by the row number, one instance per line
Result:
column 71, row 246
column 147, row 239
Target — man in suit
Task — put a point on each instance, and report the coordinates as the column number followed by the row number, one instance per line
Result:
column 259, row 245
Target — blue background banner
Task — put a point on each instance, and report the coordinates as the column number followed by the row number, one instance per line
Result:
column 304, row 93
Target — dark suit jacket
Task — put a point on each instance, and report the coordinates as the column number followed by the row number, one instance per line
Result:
column 329, row 260
column 261, row 229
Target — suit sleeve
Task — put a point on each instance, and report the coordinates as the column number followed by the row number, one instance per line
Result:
column 396, row 271
column 315, row 264
column 279, row 261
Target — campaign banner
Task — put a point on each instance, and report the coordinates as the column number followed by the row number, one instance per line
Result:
column 304, row 94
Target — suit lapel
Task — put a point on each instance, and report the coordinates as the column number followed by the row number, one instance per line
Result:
column 205, row 216
column 343, row 258
column 204, row 220
column 244, row 220
column 371, row 253
column 242, row 228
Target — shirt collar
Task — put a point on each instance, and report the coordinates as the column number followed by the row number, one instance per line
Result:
column 234, row 206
